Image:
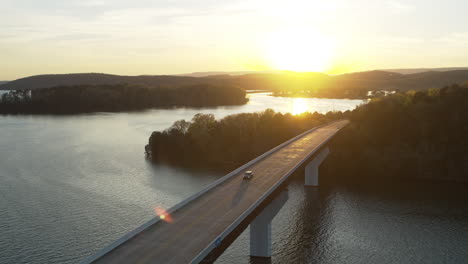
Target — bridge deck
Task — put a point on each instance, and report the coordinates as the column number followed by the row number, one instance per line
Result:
column 199, row 223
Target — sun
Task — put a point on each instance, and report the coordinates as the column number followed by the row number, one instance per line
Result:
column 298, row 50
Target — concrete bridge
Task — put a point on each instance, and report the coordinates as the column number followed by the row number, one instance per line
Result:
column 201, row 227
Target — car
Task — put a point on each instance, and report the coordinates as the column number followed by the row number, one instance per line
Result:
column 248, row 175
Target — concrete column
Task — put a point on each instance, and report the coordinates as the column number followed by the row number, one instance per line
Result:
column 312, row 169
column 260, row 227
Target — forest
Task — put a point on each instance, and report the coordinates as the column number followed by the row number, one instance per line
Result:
column 117, row 97
column 416, row 134
column 283, row 83
column 231, row 141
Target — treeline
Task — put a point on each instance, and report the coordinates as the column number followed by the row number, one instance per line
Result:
column 419, row 134
column 350, row 85
column 407, row 135
column 118, row 97
column 231, row 141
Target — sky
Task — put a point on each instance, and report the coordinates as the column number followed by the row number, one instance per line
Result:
column 182, row 36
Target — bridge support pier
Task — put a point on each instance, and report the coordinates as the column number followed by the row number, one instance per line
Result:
column 312, row 169
column 260, row 227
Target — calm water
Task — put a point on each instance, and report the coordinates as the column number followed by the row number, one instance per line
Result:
column 71, row 185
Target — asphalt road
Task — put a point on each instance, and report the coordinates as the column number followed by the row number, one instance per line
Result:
column 194, row 226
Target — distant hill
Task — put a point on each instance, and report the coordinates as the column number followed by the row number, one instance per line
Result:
column 419, row 70
column 370, row 80
column 53, row 80
column 248, row 81
column 3, row 82
column 206, row 74
column 402, row 71
column 376, row 80
column 352, row 85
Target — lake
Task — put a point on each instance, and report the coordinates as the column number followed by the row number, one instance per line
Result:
column 70, row 185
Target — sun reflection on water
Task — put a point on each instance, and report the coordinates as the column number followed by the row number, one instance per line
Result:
column 299, row 106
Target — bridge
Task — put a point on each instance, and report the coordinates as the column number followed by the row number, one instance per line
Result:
column 199, row 228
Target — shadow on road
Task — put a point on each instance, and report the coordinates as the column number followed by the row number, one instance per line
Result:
column 240, row 193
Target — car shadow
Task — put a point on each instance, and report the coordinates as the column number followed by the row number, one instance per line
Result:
column 243, row 186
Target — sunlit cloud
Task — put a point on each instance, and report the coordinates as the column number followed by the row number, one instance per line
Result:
column 178, row 36
column 400, row 6
column 456, row 38
column 93, row 3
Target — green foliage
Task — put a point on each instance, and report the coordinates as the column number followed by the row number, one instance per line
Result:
column 112, row 98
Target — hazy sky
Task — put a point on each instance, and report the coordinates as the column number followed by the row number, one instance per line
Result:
column 180, row 36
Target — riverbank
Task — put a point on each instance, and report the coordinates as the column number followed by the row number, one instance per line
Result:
column 311, row 94
column 117, row 98
column 406, row 135
column 85, row 177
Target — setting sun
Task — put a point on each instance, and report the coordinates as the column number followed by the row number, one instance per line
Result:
column 298, row 50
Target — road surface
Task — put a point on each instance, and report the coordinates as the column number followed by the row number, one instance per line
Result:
column 200, row 222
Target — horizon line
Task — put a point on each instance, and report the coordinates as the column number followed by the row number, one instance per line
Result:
column 244, row 72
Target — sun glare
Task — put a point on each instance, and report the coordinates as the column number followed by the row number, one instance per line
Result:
column 299, row 106
column 298, row 50
column 163, row 214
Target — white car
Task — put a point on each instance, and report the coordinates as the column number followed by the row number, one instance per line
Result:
column 248, row 175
